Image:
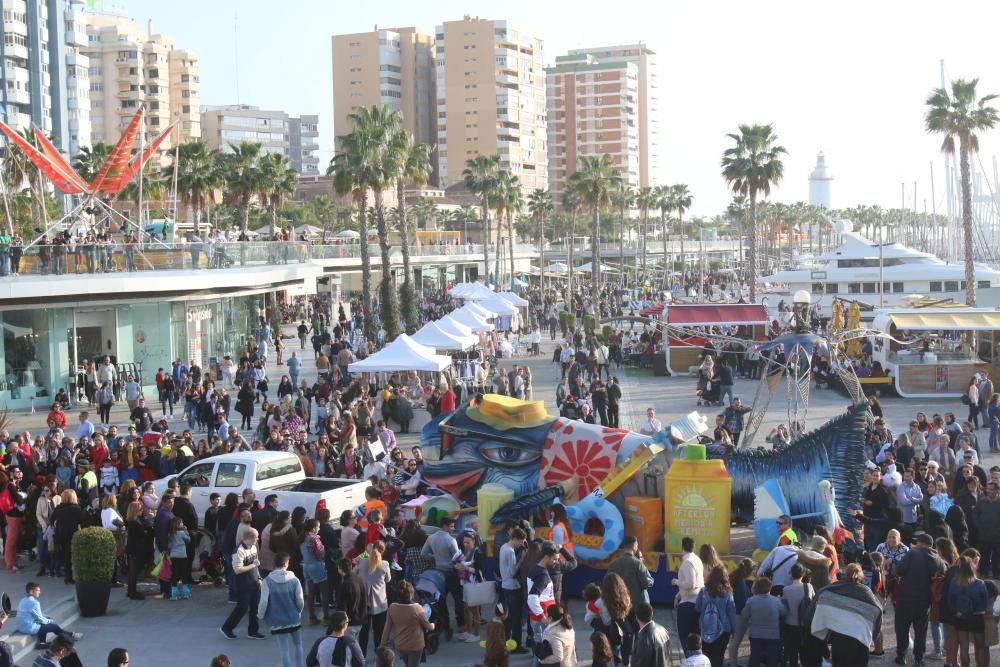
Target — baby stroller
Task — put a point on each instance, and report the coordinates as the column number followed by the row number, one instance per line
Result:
column 208, row 559
column 707, row 391
column 431, row 590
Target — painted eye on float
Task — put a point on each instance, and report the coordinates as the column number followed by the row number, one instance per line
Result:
column 508, row 455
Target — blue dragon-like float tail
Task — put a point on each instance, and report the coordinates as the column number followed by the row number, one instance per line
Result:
column 834, row 452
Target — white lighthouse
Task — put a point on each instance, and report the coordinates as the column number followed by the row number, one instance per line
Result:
column 819, row 183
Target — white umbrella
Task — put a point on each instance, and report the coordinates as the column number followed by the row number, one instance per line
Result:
column 347, row 234
column 586, row 268
column 557, row 267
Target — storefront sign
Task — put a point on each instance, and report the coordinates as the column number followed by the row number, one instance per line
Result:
column 196, row 313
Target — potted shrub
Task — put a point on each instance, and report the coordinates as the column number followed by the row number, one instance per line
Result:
column 94, row 552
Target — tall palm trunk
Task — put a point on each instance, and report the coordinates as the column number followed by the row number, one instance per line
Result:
column 569, row 269
column 752, row 242
column 667, row 267
column 645, row 232
column 539, row 235
column 680, row 224
column 621, row 248
column 486, row 239
column 366, row 266
column 407, row 293
column 595, row 252
column 388, row 306
column 404, row 237
column 510, row 244
column 970, row 257
column 197, row 204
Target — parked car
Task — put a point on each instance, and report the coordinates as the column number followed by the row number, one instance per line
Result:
column 279, row 473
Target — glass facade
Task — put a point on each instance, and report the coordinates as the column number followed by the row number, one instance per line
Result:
column 40, row 354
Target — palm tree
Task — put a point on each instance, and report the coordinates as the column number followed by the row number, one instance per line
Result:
column 662, row 197
column 507, row 201
column 424, row 211
column 324, row 209
column 480, row 175
column 570, row 204
column 415, row 169
column 540, row 207
column 736, row 212
column 680, row 201
column 594, row 180
column 370, row 157
column 19, row 172
column 154, row 185
column 197, row 174
column 960, row 116
column 277, row 182
column 624, row 199
column 750, row 167
column 243, row 177
column 89, row 160
column 645, row 200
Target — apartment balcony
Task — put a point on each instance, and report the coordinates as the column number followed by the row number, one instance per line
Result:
column 19, row 97
column 16, row 50
column 15, row 28
column 135, row 95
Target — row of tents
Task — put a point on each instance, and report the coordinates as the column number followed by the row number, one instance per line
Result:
column 459, row 330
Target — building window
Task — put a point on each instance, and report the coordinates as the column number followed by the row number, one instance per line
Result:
column 935, row 286
column 868, row 288
column 817, row 288
column 951, row 286
column 982, row 284
column 831, row 288
column 854, row 288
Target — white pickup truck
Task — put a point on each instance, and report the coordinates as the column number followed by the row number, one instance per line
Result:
column 279, row 473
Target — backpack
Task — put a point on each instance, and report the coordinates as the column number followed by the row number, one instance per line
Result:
column 710, row 620
column 6, row 502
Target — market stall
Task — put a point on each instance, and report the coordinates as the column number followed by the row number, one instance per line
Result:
column 748, row 321
column 933, row 352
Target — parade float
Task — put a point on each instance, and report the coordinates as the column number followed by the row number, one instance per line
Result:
column 510, row 460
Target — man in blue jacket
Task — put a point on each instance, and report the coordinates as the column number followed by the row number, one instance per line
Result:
column 31, row 620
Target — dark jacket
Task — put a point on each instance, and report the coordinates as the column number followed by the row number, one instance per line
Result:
column 916, row 570
column 650, row 648
column 262, row 517
column 66, row 520
column 352, row 599
column 186, row 511
column 634, row 574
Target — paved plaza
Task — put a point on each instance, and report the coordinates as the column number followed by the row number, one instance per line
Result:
column 161, row 633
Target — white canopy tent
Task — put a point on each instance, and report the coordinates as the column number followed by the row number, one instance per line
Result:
column 347, row 234
column 402, row 354
column 499, row 305
column 603, row 268
column 452, row 326
column 477, row 292
column 514, row 299
column 480, row 310
column 432, row 335
column 557, row 267
column 471, row 320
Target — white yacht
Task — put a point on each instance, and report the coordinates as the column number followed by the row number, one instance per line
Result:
column 851, row 272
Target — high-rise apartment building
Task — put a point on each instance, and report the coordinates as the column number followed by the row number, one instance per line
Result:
column 43, row 70
column 648, row 102
column 593, row 110
column 393, row 67
column 297, row 139
column 130, row 67
column 491, row 99
column 303, row 144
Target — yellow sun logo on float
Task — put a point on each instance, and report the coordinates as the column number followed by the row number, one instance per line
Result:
column 691, row 498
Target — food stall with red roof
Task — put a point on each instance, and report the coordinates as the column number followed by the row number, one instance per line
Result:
column 688, row 322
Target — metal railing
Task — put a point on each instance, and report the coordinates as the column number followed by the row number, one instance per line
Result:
column 81, row 258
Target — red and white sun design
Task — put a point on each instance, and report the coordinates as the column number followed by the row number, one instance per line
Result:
column 582, row 452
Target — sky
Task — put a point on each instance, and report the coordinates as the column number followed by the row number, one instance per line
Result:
column 849, row 78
